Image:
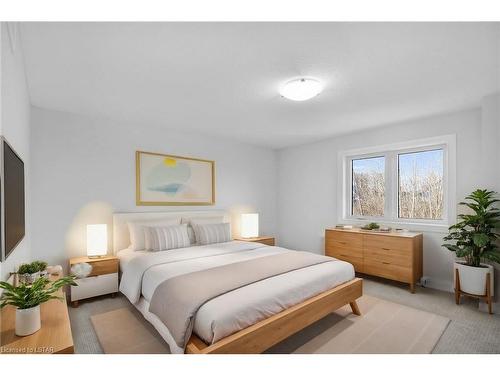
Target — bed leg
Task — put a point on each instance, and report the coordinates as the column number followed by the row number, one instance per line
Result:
column 355, row 308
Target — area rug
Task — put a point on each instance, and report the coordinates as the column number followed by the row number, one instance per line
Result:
column 125, row 331
column 383, row 327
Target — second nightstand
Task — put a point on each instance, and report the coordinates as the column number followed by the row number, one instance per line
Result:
column 263, row 239
column 102, row 280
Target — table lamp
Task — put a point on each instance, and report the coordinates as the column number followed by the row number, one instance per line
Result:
column 97, row 240
column 249, row 225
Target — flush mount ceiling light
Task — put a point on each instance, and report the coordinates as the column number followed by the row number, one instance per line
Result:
column 301, row 89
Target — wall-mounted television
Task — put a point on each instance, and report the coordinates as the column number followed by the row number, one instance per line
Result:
column 12, row 220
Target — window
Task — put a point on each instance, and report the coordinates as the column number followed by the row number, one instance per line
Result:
column 368, row 186
column 421, row 184
column 404, row 183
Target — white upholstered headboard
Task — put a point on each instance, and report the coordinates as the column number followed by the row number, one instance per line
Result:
column 121, row 239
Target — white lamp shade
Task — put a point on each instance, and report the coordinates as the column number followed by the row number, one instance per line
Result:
column 97, row 239
column 249, row 225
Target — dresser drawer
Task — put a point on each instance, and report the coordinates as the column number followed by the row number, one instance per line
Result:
column 400, row 258
column 343, row 239
column 104, row 267
column 387, row 243
column 347, row 256
column 339, row 243
column 334, row 249
column 387, row 269
column 94, row 286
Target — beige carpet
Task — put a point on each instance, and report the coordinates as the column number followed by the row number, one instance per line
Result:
column 124, row 331
column 384, row 327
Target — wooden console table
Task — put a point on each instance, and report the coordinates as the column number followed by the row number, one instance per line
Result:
column 53, row 338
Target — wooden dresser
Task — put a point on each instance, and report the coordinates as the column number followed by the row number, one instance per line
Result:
column 395, row 256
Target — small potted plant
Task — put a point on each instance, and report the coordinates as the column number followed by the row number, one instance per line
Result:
column 42, row 268
column 474, row 240
column 28, row 273
column 27, row 300
column 371, row 226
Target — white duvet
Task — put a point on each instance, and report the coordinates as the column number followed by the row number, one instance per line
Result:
column 143, row 271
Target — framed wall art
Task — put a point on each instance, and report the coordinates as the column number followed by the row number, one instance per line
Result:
column 169, row 180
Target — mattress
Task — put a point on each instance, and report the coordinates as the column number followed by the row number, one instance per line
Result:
column 235, row 310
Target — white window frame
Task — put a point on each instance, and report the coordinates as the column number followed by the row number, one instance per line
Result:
column 391, row 205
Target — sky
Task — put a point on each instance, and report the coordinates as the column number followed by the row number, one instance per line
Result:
column 426, row 161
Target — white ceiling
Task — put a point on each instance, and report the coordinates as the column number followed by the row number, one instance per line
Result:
column 223, row 78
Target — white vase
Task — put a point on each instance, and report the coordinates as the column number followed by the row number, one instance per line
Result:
column 473, row 279
column 28, row 321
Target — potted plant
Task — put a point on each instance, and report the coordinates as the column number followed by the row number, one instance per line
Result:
column 27, row 300
column 42, row 268
column 474, row 240
column 371, row 226
column 28, row 273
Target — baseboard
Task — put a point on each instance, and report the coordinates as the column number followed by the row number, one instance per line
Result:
column 444, row 285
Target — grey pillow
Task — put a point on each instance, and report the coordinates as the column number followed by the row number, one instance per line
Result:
column 167, row 238
column 212, row 233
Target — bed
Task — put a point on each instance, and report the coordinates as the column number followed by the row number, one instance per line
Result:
column 246, row 319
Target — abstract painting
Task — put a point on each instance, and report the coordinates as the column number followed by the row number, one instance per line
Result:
column 163, row 180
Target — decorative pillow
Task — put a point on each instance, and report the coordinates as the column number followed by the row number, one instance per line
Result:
column 167, row 238
column 212, row 233
column 192, row 222
column 136, row 230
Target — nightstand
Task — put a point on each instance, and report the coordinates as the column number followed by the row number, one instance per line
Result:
column 263, row 239
column 102, row 280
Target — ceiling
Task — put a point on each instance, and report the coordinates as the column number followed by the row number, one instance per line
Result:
column 223, row 78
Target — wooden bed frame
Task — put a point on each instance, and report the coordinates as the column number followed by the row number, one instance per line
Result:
column 268, row 332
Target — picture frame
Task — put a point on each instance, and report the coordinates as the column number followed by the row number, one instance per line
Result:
column 172, row 180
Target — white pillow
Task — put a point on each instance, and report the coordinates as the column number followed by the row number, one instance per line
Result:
column 166, row 238
column 192, row 222
column 212, row 233
column 136, row 230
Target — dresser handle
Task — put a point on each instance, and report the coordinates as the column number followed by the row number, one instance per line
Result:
column 385, row 262
column 343, row 243
column 385, row 248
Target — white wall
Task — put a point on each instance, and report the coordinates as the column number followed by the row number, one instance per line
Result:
column 15, row 126
column 490, row 133
column 307, row 183
column 84, row 169
column 490, row 158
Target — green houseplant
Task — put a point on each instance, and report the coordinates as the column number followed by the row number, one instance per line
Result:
column 474, row 239
column 40, row 265
column 29, row 272
column 370, row 226
column 28, row 298
column 42, row 268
